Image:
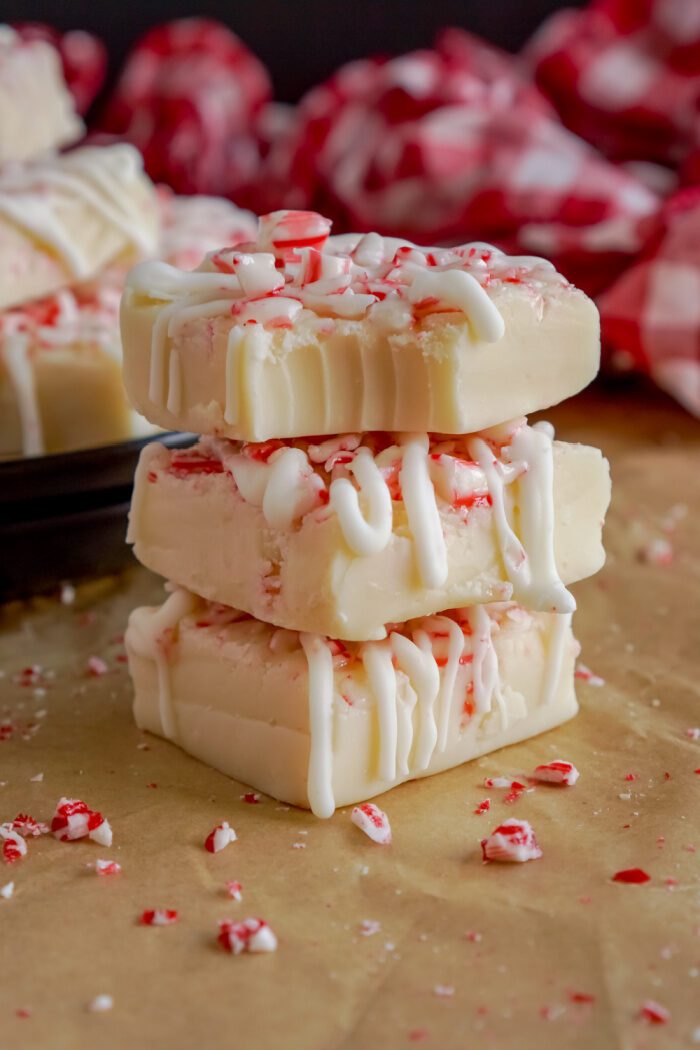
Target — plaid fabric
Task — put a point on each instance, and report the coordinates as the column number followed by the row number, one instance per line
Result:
column 83, row 56
column 451, row 145
column 187, row 98
column 651, row 315
column 625, row 75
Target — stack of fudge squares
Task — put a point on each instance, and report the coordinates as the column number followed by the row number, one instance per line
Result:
column 71, row 225
column 368, row 547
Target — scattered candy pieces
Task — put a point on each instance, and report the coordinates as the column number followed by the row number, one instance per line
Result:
column 235, row 890
column 444, row 991
column 96, row 667
column 28, row 827
column 107, row 867
column 250, row 935
column 631, row 876
column 101, row 1004
column 483, row 807
column 373, row 821
column 251, row 797
column 654, row 1013
column 557, row 772
column 13, row 845
column 693, row 733
column 7, row 890
column 586, row 675
column 658, row 551
column 74, row 819
column 581, row 997
column 218, row 839
column 36, row 779
column 511, row 842
column 368, row 927
column 159, row 917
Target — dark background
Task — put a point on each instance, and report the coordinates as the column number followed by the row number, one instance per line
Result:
column 300, row 41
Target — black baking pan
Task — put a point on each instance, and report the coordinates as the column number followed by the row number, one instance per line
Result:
column 63, row 517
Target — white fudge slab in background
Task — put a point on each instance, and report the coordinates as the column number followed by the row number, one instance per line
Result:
column 304, row 334
column 359, row 531
column 319, row 724
column 64, row 219
column 37, row 113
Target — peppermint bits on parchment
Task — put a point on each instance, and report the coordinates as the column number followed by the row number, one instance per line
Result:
column 373, row 821
column 512, row 842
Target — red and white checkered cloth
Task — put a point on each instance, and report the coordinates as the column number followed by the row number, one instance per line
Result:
column 84, row 59
column 625, row 75
column 187, row 98
column 651, row 315
column 451, row 145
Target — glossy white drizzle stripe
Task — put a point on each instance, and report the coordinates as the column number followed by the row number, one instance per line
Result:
column 421, row 508
column 148, row 634
column 407, row 685
column 363, row 535
column 15, row 351
column 529, row 563
column 320, row 775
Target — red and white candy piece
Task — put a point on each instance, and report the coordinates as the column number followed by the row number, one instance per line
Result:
column 512, row 842
column 159, row 917
column 250, row 935
column 7, row 890
column 654, row 1013
column 285, row 232
column 28, row 827
column 234, row 890
column 557, row 772
column 107, row 867
column 74, row 819
column 219, row 838
column 504, row 782
column 373, row 821
column 13, row 845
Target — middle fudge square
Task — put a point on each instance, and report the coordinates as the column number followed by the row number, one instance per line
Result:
column 346, row 535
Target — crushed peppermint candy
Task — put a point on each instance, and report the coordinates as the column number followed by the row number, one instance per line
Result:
column 483, row 807
column 28, row 827
column 13, row 845
column 658, row 551
column 444, row 991
column 250, row 935
column 219, row 838
column 74, row 819
column 654, row 1013
column 96, row 667
column 251, row 797
column 100, row 1004
column 7, row 890
column 373, row 821
column 693, row 733
column 586, row 675
column 107, row 867
column 504, row 782
column 512, row 842
column 159, row 917
column 368, row 927
column 631, row 876
column 234, row 890
column 557, row 772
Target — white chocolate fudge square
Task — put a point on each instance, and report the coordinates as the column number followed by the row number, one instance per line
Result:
column 64, row 219
column 37, row 113
column 302, row 333
column 320, row 724
column 348, row 535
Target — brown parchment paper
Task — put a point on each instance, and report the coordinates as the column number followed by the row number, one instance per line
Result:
column 508, row 946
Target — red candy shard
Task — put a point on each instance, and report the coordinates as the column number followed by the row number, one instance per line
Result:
column 581, row 997
column 219, row 838
column 74, row 819
column 249, row 935
column 557, row 772
column 654, row 1013
column 251, row 797
column 28, row 827
column 511, row 842
column 483, row 807
column 373, row 821
column 107, row 867
column 96, row 666
column 632, row 876
column 159, row 917
column 235, row 890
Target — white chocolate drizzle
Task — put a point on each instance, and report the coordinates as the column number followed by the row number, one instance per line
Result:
column 434, row 478
column 104, row 178
column 149, row 635
column 296, row 270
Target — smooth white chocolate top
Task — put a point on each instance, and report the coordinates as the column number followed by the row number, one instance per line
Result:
column 295, row 267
